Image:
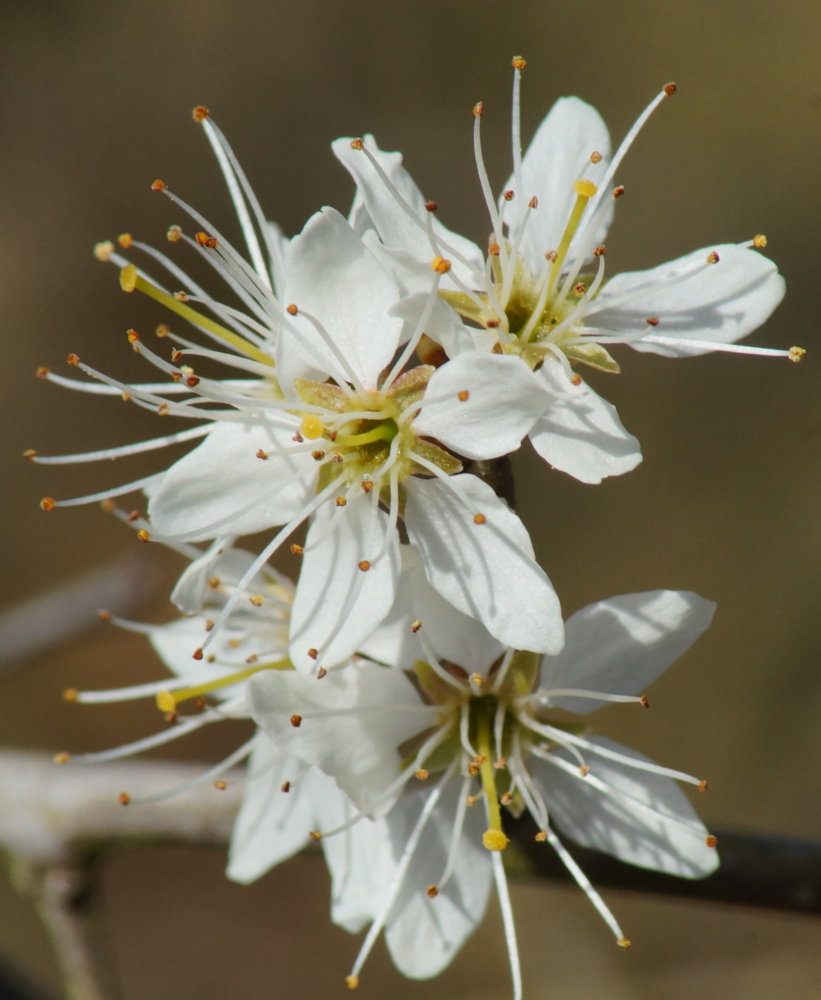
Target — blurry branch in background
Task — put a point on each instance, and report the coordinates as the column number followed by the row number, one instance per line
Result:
column 57, row 823
column 31, row 627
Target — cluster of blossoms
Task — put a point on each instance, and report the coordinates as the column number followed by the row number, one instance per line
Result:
column 416, row 682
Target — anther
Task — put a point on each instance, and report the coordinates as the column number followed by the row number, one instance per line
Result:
column 367, row 485
column 173, row 234
column 624, row 943
column 357, row 144
column 600, row 250
column 431, row 206
column 519, row 63
column 181, row 296
column 125, row 240
column 364, row 565
column 103, row 250
column 200, row 113
column 432, row 891
column 472, row 800
column 711, row 841
column 440, row 265
column 584, row 770
column 291, row 309
column 296, row 549
column 669, row 89
column 551, row 256
column 104, row 616
column 652, row 321
column 415, row 626
column 322, row 672
column 313, row 653
column 506, row 799
column 200, row 704
column 352, row 982
column 644, row 701
column 62, row 757
column 143, row 535
column 256, row 600
column 158, row 185
column 580, row 288
column 197, row 654
column 713, row 257
column 479, row 519
column 205, row 240
column 47, row 503
column 618, row 191
column 285, row 786
column 541, row 836
column 422, row 774
column 576, row 380
column 317, row 456
column 501, row 764
column 162, row 330
column 595, row 156
column 123, row 798
column 262, row 454
column 759, row 241
column 533, row 203
column 296, row 721
column 477, row 679
column 42, row 371
column 252, row 659
column 108, row 505
column 509, row 195
column 70, row 694
column 463, row 395
column 220, row 785
column 73, row 359
column 29, row 454
column 478, row 109
column 341, row 501
column 795, row 354
column 492, row 324
column 702, row 785
column 213, row 582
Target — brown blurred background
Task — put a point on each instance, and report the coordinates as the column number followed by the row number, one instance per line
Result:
column 95, row 100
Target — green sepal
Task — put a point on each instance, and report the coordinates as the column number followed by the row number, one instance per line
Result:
column 593, row 355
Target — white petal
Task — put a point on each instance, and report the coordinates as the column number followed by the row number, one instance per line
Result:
column 502, row 400
column 621, row 645
column 273, row 825
column 361, row 862
column 396, row 228
column 337, row 604
column 486, row 570
column 352, row 721
column 720, row 303
column 222, row 482
column 646, row 820
column 580, row 433
column 444, row 326
column 424, row 934
column 335, row 278
column 558, row 155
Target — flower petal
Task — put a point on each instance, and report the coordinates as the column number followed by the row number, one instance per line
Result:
column 621, row 645
column 720, row 303
column 481, row 406
column 332, row 276
column 351, row 723
column 272, row 824
column 558, row 155
column 486, row 569
column 642, row 818
column 580, row 433
column 338, row 604
column 222, row 487
column 424, row 934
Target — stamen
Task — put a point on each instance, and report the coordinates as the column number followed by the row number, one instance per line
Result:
column 168, row 699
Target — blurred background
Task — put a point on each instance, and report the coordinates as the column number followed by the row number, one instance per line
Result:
column 95, row 99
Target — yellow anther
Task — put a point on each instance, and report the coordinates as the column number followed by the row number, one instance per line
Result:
column 104, row 250
column 759, row 241
column 312, row 427
column 795, row 354
column 440, row 265
column 352, row 982
column 624, row 942
column 584, row 188
column 519, row 63
column 494, row 840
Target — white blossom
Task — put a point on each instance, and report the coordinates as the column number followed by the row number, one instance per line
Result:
column 540, row 294
column 453, row 719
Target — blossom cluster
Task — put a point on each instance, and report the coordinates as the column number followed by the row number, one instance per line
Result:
column 416, row 682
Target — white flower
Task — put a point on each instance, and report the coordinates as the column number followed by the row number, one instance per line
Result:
column 283, row 800
column 463, row 719
column 319, row 429
column 540, row 296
